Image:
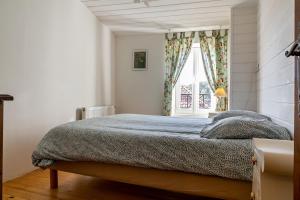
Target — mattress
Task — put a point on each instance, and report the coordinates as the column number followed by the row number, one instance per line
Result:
column 169, row 143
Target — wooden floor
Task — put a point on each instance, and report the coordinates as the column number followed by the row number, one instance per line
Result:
column 35, row 186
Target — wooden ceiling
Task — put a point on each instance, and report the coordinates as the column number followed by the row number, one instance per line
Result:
column 161, row 15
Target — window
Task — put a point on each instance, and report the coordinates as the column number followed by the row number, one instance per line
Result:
column 192, row 92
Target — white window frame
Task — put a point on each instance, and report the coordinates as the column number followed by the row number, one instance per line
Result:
column 194, row 110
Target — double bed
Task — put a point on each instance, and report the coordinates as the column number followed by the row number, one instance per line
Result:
column 155, row 151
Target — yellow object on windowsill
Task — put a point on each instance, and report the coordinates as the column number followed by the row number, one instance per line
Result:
column 220, row 92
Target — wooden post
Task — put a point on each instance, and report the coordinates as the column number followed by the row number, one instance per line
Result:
column 3, row 98
column 53, row 179
column 297, row 135
column 1, row 143
column 297, row 108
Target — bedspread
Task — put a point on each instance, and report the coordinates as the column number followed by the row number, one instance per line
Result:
column 169, row 143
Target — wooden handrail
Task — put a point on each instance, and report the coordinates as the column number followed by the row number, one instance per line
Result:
column 3, row 97
column 6, row 97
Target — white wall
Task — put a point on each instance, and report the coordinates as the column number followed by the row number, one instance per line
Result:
column 140, row 91
column 107, row 67
column 55, row 56
column 243, row 57
column 276, row 73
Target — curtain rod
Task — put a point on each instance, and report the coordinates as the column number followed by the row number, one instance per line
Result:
column 203, row 28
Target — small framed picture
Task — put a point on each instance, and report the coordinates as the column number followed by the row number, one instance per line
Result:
column 140, row 59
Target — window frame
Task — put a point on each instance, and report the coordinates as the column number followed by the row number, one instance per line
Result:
column 194, row 110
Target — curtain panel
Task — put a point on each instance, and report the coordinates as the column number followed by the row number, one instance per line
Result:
column 214, row 56
column 177, row 50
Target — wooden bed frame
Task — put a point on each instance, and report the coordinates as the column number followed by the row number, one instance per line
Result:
column 188, row 183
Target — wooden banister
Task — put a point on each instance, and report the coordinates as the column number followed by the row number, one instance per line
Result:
column 6, row 97
column 3, row 97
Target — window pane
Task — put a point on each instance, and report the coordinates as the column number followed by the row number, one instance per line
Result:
column 186, row 96
column 185, row 82
column 204, row 95
column 187, row 73
column 193, row 94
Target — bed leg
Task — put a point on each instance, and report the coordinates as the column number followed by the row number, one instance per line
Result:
column 53, row 179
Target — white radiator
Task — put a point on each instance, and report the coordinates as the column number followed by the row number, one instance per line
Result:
column 98, row 111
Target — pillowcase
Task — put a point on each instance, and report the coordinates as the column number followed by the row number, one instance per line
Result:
column 245, row 113
column 241, row 127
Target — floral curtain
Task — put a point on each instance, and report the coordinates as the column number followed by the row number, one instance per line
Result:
column 214, row 56
column 177, row 50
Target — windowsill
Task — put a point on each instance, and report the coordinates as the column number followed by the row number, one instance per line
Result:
column 200, row 115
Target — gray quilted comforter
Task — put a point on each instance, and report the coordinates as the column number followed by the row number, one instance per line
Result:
column 168, row 143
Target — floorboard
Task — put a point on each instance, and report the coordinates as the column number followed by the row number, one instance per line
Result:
column 35, row 186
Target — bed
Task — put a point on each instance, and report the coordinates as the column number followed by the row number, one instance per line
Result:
column 154, row 151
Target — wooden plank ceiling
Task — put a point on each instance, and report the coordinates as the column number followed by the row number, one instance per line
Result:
column 161, row 15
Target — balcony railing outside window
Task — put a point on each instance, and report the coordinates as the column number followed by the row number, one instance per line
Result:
column 204, row 101
column 186, row 101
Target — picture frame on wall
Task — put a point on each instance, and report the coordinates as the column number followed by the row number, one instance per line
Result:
column 140, row 59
